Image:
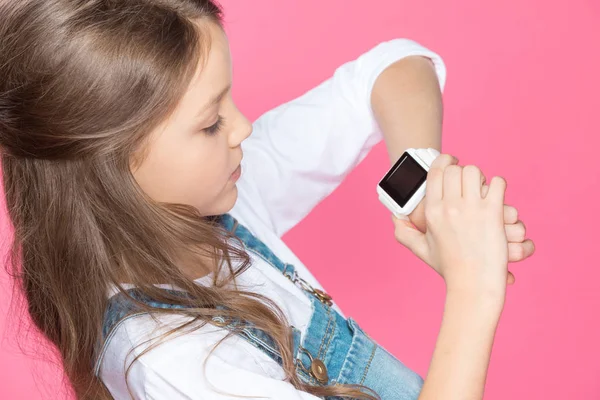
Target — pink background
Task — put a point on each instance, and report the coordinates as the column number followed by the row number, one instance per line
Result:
column 520, row 102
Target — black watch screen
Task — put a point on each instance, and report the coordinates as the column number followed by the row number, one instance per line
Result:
column 403, row 179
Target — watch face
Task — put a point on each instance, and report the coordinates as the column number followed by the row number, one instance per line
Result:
column 403, row 179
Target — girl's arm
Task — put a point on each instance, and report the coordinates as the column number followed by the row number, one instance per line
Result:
column 407, row 104
column 302, row 150
column 460, row 361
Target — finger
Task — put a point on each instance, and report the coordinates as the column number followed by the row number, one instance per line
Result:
column 472, row 178
column 442, row 161
column 452, row 186
column 511, row 215
column 515, row 233
column 497, row 190
column 510, row 279
column 520, row 251
column 434, row 186
column 407, row 235
column 484, row 190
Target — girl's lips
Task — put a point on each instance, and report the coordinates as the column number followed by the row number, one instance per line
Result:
column 237, row 173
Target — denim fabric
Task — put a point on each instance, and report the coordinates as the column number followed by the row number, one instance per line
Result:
column 349, row 354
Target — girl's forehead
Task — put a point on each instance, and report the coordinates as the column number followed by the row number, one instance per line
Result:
column 213, row 75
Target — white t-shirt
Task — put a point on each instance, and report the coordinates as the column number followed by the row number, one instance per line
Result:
column 297, row 155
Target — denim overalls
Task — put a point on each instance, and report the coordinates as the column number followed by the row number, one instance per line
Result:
column 333, row 350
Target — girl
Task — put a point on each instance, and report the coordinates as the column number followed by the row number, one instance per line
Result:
column 150, row 251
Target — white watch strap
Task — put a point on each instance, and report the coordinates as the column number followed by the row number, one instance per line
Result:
column 428, row 154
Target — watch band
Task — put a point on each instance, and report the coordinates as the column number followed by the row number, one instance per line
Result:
column 427, row 154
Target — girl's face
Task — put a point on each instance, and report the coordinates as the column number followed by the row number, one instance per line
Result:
column 192, row 155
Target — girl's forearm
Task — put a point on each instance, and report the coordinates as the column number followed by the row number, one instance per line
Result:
column 460, row 361
column 407, row 104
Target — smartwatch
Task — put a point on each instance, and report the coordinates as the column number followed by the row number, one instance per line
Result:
column 403, row 187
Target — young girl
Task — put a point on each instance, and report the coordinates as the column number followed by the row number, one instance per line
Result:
column 148, row 211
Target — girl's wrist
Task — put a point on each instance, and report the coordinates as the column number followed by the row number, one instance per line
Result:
column 480, row 303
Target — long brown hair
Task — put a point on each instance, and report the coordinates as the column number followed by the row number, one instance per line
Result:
column 82, row 83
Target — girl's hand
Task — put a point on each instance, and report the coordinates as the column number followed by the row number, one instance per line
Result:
column 465, row 238
column 519, row 248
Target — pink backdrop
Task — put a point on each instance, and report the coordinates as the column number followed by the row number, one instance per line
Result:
column 521, row 100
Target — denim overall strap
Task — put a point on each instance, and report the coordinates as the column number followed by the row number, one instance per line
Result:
column 335, row 349
column 254, row 244
column 326, row 324
column 332, row 350
column 120, row 308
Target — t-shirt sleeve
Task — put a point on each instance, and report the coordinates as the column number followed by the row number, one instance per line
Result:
column 301, row 151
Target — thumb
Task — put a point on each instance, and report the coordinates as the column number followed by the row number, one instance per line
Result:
column 409, row 236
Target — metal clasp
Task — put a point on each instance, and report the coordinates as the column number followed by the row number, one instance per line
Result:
column 318, row 293
column 323, row 297
column 317, row 367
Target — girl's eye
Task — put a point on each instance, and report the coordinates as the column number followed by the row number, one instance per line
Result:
column 214, row 129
